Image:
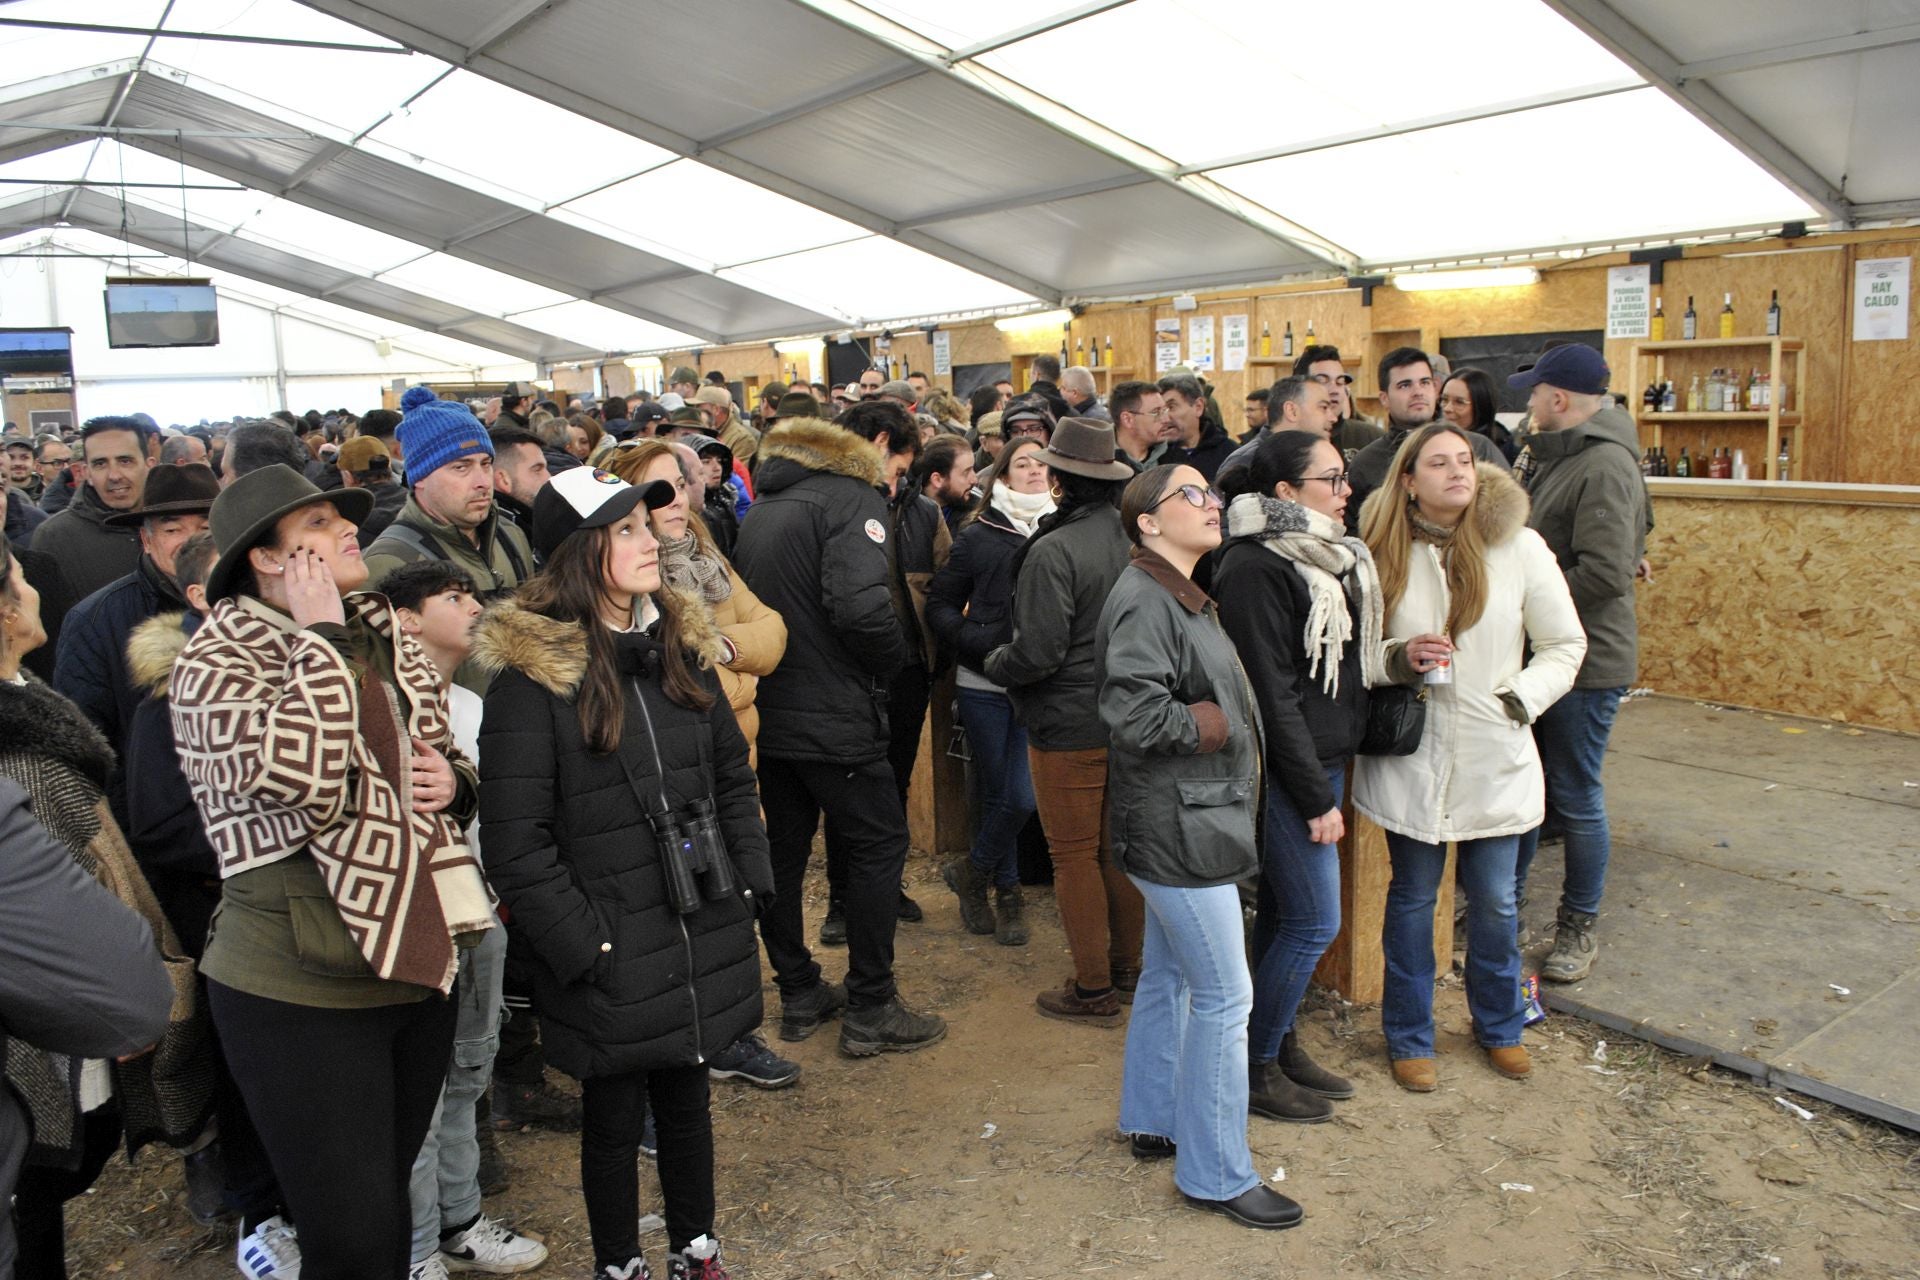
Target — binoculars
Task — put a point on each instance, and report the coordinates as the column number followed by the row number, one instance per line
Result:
column 693, row 856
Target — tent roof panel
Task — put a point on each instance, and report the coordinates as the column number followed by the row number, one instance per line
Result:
column 475, row 287
column 719, row 306
column 877, row 277
column 432, row 211
column 704, row 215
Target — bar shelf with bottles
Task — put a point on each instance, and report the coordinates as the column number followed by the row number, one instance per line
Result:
column 1765, row 397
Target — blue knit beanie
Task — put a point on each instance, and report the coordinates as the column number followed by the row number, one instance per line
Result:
column 434, row 432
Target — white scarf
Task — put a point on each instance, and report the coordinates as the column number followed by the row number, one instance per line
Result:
column 1320, row 549
column 1022, row 510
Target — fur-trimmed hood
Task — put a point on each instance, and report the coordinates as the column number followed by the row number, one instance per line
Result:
column 813, row 445
column 553, row 653
column 151, row 650
column 36, row 721
column 1501, row 506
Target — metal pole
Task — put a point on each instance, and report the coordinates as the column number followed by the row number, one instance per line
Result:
column 279, row 361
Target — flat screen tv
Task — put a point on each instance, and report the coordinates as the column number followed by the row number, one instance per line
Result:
column 162, row 313
column 44, row 352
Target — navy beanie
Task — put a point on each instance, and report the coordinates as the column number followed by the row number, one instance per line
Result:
column 434, row 432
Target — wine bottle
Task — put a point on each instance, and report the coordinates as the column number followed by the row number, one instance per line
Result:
column 1726, row 318
column 1657, row 329
column 1690, row 322
column 1773, row 316
column 1286, row 341
column 1784, row 464
column 1106, row 357
column 1695, row 397
column 1266, row 339
column 1309, row 333
column 1683, row 469
column 1669, row 397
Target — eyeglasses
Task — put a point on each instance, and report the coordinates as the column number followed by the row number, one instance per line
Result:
column 1198, row 496
column 1335, row 480
column 1326, row 379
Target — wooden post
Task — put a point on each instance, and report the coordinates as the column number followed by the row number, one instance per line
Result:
column 1354, row 965
column 938, row 817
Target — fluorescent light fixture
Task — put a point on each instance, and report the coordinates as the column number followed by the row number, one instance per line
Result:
column 799, row 347
column 1033, row 320
column 1482, row 278
column 644, row 364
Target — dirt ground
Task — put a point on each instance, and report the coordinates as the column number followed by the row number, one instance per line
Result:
column 995, row 1154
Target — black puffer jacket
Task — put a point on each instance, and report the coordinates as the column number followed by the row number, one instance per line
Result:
column 814, row 549
column 970, row 603
column 623, row 982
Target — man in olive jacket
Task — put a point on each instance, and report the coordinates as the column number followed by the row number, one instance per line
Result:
column 1590, row 504
column 814, row 548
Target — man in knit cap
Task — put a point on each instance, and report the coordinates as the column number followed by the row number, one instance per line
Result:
column 449, row 513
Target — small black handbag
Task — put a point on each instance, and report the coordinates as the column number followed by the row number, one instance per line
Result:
column 1396, row 717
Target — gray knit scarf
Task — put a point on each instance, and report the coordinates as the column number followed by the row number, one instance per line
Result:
column 687, row 568
column 1326, row 559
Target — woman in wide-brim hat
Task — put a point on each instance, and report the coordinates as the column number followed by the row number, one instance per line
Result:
column 316, row 739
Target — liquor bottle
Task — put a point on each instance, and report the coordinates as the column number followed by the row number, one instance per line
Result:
column 1286, row 341
column 1753, row 391
column 1773, row 316
column 1650, row 398
column 1740, row 464
column 1309, row 333
column 1783, row 463
column 1658, row 328
column 1695, row 397
column 1683, row 469
column 1660, row 464
column 1093, row 356
column 1722, row 468
column 1079, row 350
column 1711, row 402
column 1106, row 357
column 1690, row 322
column 1646, row 462
column 1726, row 318
column 1266, row 339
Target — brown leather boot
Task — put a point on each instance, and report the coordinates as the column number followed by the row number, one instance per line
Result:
column 1416, row 1075
column 1009, row 917
column 1513, row 1062
column 1307, row 1073
column 1271, row 1094
column 1068, row 1005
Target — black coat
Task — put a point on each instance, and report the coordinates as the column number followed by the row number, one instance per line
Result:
column 1208, row 452
column 970, row 604
column 623, row 982
column 1263, row 606
column 814, row 549
column 389, row 500
column 22, row 519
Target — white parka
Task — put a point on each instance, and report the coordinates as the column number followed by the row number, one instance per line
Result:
column 1476, row 773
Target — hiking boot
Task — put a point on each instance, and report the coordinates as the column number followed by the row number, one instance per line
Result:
column 1416, row 1075
column 970, row 886
column 1271, row 1094
column 889, row 1028
column 749, row 1059
column 492, row 1173
column 271, row 1251
column 1068, row 1005
column 490, row 1247
column 1513, row 1062
column 541, row 1107
column 909, row 910
column 701, row 1261
column 1010, row 917
column 1573, row 947
column 1151, row 1146
column 1126, row 981
column 1261, row 1207
column 833, row 930
column 206, row 1177
column 1307, row 1073
column 802, row 1014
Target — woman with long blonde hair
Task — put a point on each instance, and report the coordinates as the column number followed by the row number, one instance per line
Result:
column 1467, row 588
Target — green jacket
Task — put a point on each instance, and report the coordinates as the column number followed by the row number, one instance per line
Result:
column 1590, row 505
column 1183, row 761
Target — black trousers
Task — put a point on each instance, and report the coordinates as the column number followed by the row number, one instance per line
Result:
column 39, row 1201
column 342, row 1099
column 613, row 1109
column 863, row 809
column 907, row 696
column 518, row 1060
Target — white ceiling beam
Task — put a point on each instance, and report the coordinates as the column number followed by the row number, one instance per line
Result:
column 958, row 212
column 1039, row 27
column 1604, row 24
column 831, row 98
column 504, row 27
column 1803, row 51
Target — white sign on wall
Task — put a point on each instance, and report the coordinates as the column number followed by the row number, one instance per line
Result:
column 942, row 353
column 1882, row 296
column 1629, row 301
column 1233, row 344
column 1166, row 343
column 1200, row 343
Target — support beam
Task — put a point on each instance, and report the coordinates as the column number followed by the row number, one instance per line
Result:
column 1025, row 201
column 1805, row 51
column 506, row 26
column 318, row 161
column 1600, row 21
column 1039, row 28
column 832, row 98
column 151, row 32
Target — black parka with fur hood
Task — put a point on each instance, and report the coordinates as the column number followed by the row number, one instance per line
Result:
column 624, row 982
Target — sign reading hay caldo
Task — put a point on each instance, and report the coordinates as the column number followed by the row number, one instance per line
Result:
column 1628, row 306
column 1881, row 297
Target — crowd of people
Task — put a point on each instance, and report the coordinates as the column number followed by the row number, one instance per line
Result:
column 389, row 759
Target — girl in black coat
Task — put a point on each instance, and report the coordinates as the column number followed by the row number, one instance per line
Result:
column 604, row 738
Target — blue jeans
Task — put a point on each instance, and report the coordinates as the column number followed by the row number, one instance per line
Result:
column 1493, row 949
column 1298, row 917
column 1002, row 781
column 1185, row 1076
column 1572, row 737
column 445, row 1188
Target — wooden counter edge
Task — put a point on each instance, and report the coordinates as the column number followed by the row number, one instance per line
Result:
column 1874, row 495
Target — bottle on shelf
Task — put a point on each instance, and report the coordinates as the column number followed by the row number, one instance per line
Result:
column 1646, row 462
column 1696, row 398
column 1309, row 333
column 1669, row 397
column 1266, row 339
column 1726, row 318
column 1650, row 398
column 1657, row 327
column 1740, row 464
column 1690, row 322
column 1106, row 356
column 1093, row 355
column 1753, row 391
column 1710, row 401
column 1783, row 463
column 1079, row 350
column 1720, row 467
column 1286, row 341
column 1773, row 316
column 1683, row 468
column 1661, row 467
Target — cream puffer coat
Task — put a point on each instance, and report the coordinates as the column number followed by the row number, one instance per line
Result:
column 1476, row 773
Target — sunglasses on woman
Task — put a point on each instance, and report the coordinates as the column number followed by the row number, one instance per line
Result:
column 1198, row 496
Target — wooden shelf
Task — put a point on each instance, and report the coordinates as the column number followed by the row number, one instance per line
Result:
column 1649, row 364
column 1681, row 344
column 1788, row 417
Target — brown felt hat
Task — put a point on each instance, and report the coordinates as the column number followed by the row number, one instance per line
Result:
column 186, row 490
column 246, row 511
column 1084, row 447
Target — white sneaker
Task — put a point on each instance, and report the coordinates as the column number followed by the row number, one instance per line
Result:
column 488, row 1246
column 432, row 1269
column 271, row 1251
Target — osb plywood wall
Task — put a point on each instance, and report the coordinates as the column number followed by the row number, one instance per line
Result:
column 1800, row 607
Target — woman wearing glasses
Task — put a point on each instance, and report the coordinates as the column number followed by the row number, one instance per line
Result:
column 1467, row 589
column 1467, row 400
column 1302, row 602
column 1183, row 775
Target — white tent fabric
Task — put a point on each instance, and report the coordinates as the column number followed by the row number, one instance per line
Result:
column 556, row 178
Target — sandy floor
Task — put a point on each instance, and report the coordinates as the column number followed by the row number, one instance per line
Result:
column 995, row 1153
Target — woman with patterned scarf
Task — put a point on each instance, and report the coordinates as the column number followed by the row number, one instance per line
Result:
column 316, row 739
column 1302, row 603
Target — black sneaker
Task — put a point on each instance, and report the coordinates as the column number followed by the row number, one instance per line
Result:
column 802, row 1014
column 700, row 1261
column 889, row 1028
column 833, row 930
column 910, row 910
column 1261, row 1207
column 206, row 1175
column 1151, row 1146
column 543, row 1107
column 749, row 1059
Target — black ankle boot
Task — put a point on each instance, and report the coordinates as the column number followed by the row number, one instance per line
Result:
column 1306, row 1073
column 1271, row 1094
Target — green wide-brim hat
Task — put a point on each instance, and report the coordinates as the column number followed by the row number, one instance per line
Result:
column 246, row 511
